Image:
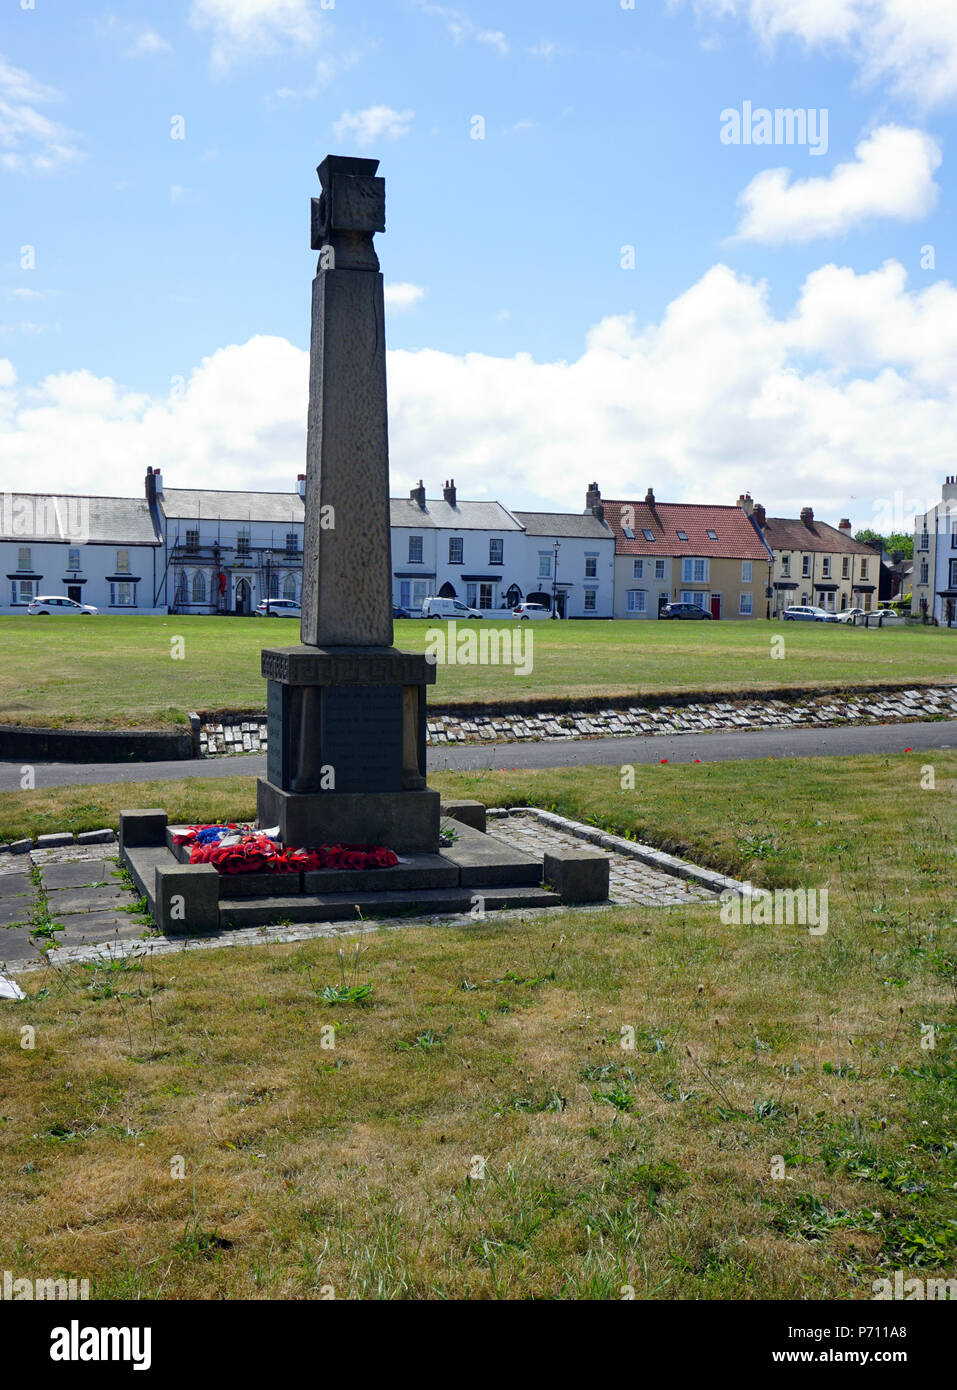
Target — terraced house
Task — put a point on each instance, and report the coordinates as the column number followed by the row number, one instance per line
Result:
column 934, row 595
column 815, row 563
column 686, row 552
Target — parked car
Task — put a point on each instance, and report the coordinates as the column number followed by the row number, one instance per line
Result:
column 883, row 617
column 60, row 608
column 278, row 608
column 447, row 608
column 684, row 610
column 850, row 615
column 526, row 611
column 807, row 613
column 399, row 612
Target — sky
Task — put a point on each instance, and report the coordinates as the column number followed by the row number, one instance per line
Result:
column 605, row 258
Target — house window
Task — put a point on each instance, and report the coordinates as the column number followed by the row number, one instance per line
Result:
column 122, row 562
column 591, row 564
column 953, row 574
column 786, row 566
column 24, row 590
column 485, row 596
column 695, row 570
column 637, row 601
column 629, row 533
column 639, row 570
column 123, row 594
column 415, row 550
column 659, row 569
column 648, row 535
column 846, row 567
column 746, row 605
column 805, row 565
column 23, row 558
column 924, row 571
column 712, row 535
column 864, row 569
column 826, row 567
column 242, row 541
column 405, row 593
column 695, row 596
column 192, row 539
column 456, row 550
column 292, row 542
column 682, row 535
column 590, row 597
column 199, row 587
column 953, row 539
column 544, row 564
column 924, row 540
column 496, row 551
column 182, row 590
column 73, row 561
column 289, row 586
column 272, row 587
column 747, row 571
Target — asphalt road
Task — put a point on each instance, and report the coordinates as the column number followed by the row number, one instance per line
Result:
column 609, row 752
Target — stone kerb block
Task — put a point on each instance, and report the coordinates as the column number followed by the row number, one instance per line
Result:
column 466, row 812
column 187, row 898
column 139, row 828
column 578, row 875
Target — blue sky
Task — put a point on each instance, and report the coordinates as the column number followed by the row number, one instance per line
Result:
column 167, row 313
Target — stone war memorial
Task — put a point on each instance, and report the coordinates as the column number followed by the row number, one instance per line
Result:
column 346, row 823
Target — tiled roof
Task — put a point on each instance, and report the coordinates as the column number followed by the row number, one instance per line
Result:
column 207, row 505
column 33, row 516
column 735, row 536
column 440, row 516
column 789, row 533
column 585, row 526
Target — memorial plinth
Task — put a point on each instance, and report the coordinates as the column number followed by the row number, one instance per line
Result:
column 346, row 709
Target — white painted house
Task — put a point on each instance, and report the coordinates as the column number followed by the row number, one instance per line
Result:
column 103, row 551
column 225, row 551
column 934, row 593
column 569, row 563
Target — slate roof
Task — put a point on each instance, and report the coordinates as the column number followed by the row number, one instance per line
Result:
column 736, row 537
column 440, row 516
column 189, row 503
column 76, row 519
column 789, row 533
column 582, row 526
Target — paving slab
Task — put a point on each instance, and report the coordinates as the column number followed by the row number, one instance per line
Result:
column 78, row 874
column 68, row 900
column 83, row 929
column 17, row 896
column 16, row 946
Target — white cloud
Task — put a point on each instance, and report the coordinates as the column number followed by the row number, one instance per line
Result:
column 403, row 295
column 366, row 126
column 838, row 405
column 462, row 28
column 147, row 43
column 911, row 44
column 891, row 175
column 30, row 141
column 242, row 27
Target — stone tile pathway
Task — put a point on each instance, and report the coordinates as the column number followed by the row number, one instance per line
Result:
column 79, row 891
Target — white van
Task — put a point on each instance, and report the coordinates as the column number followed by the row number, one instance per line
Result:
column 447, row 608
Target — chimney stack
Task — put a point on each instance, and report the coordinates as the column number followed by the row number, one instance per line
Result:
column 448, row 492
column 650, row 498
column 844, row 524
column 593, row 502
column 807, row 516
column 746, row 503
column 301, row 485
column 417, row 494
column 760, row 515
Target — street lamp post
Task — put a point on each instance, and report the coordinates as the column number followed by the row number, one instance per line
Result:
column 555, row 582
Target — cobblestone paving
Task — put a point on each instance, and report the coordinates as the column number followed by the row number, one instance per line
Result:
column 81, row 893
column 249, row 735
column 630, row 881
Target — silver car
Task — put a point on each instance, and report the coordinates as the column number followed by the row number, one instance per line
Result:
column 57, row 607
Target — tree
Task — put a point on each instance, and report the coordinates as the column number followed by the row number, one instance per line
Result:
column 897, row 540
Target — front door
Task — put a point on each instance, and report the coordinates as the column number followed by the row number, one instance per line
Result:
column 716, row 606
column 75, row 592
column 243, row 597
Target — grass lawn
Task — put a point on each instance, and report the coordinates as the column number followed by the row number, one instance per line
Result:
column 116, row 672
column 477, row 1129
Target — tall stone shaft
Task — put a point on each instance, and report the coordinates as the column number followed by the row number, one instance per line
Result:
column 346, row 579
